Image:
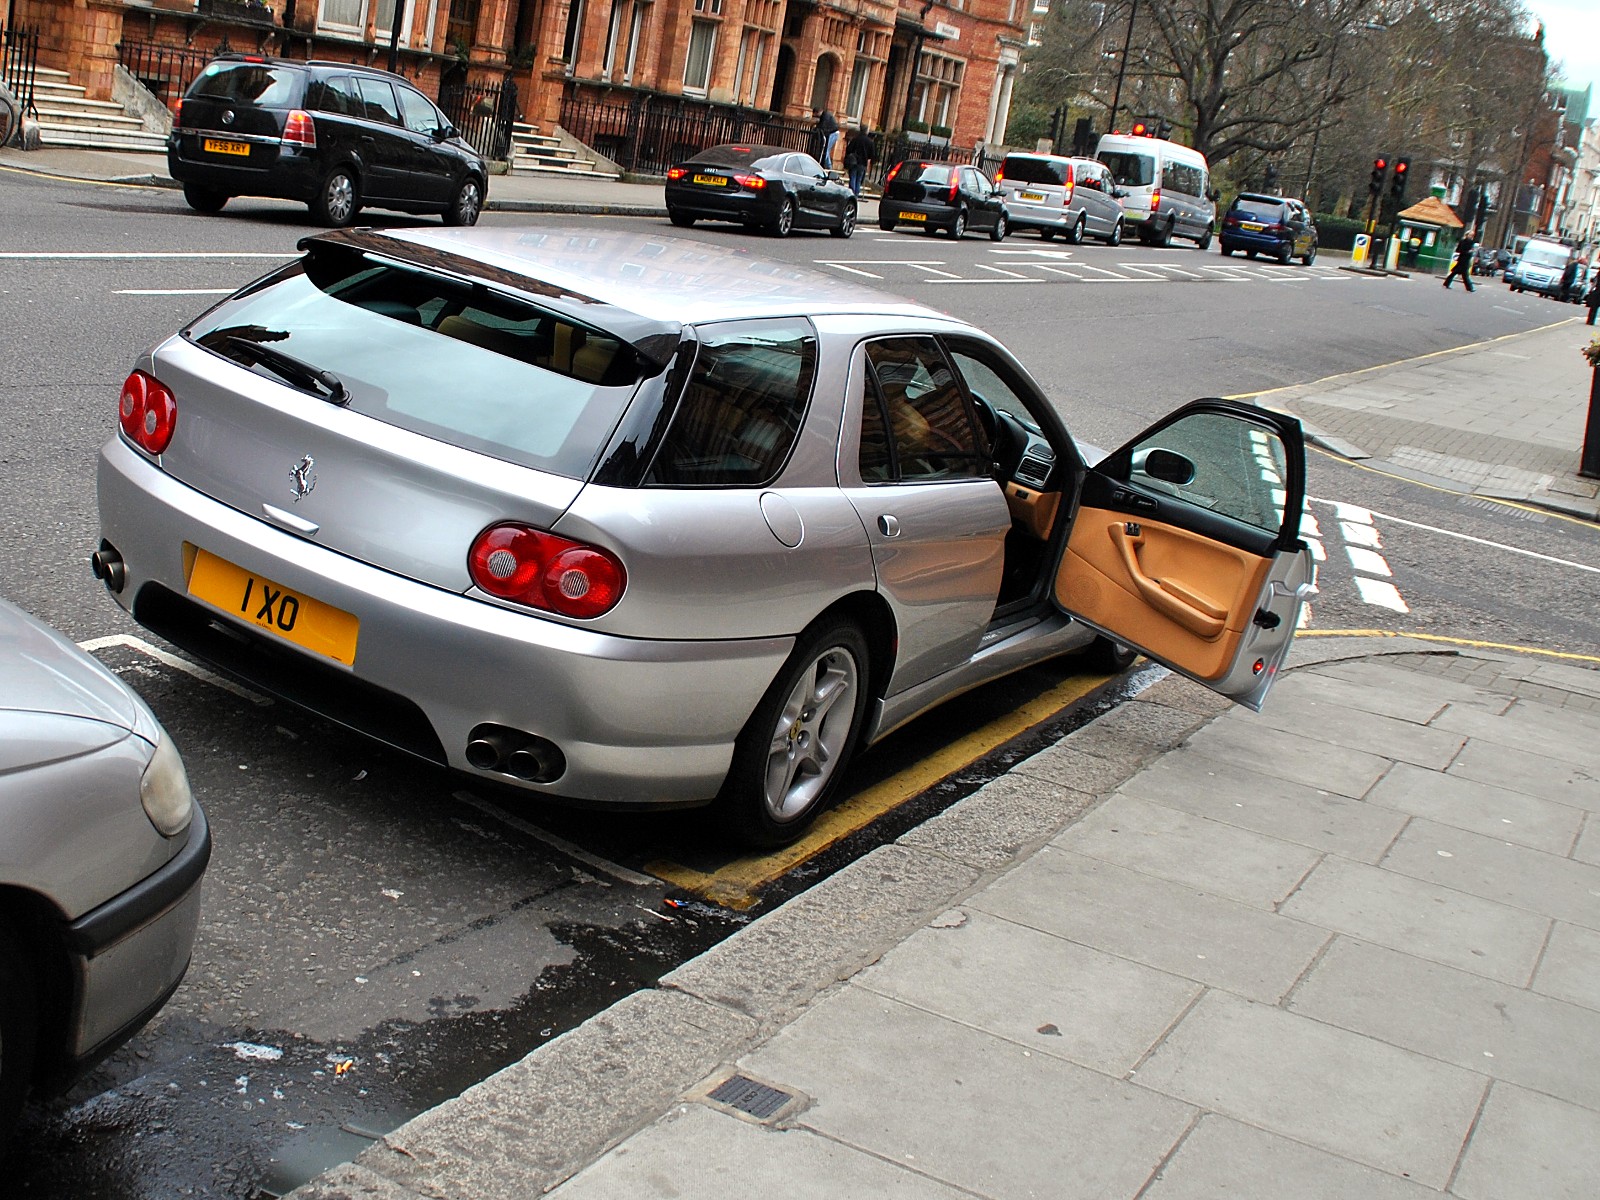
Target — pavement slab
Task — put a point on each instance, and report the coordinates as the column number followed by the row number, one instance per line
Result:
column 1304, row 690
column 1400, row 676
column 1527, row 725
column 1172, row 927
column 1480, row 808
column 1492, row 1028
column 1528, row 772
column 1031, row 1124
column 1036, row 990
column 1570, row 968
column 1421, row 918
column 1243, row 741
column 992, row 826
column 1528, row 1145
column 1351, row 1095
column 1402, row 740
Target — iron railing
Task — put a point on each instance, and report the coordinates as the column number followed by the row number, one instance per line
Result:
column 19, row 65
column 166, row 70
column 645, row 133
column 483, row 113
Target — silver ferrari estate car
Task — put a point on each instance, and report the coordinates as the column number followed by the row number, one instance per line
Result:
column 640, row 521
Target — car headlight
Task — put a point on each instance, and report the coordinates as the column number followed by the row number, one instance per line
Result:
column 164, row 790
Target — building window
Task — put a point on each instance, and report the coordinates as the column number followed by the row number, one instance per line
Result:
column 747, row 75
column 641, row 9
column 569, row 45
column 702, row 41
column 860, row 76
column 938, row 87
column 343, row 14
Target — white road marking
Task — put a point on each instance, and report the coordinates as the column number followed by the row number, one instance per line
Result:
column 1477, row 541
column 174, row 292
column 1360, row 535
column 604, row 865
column 931, row 270
column 1146, row 271
column 852, row 270
column 1368, row 561
column 1003, row 271
column 173, row 661
column 1381, row 593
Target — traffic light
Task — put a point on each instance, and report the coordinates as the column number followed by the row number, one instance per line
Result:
column 1380, row 168
column 1397, row 184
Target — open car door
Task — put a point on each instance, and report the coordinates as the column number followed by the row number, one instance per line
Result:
column 1186, row 545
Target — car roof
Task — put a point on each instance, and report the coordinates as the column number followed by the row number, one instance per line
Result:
column 738, row 154
column 638, row 286
column 301, row 64
column 1260, row 198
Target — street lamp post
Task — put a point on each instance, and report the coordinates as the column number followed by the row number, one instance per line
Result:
column 1122, row 67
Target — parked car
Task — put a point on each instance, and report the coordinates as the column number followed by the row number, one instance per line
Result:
column 1168, row 186
column 939, row 195
column 102, row 848
column 1538, row 268
column 1276, row 225
column 1053, row 194
column 763, row 186
column 1490, row 261
column 335, row 136
column 1578, row 289
column 701, row 525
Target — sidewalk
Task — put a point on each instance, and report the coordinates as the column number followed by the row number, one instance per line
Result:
column 1348, row 948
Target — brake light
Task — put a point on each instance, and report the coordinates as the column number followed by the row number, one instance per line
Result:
column 541, row 570
column 177, row 111
column 147, row 412
column 1066, row 193
column 999, row 177
column 754, row 182
column 955, row 189
column 676, row 172
column 298, row 130
column 1155, row 200
column 893, row 171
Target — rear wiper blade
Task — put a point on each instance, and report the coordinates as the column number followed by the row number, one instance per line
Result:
column 246, row 343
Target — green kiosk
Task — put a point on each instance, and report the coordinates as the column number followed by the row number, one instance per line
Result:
column 1428, row 233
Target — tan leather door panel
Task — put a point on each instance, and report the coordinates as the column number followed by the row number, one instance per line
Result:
column 1185, row 598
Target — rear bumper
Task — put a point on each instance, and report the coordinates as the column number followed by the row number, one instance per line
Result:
column 922, row 214
column 294, row 175
column 715, row 206
column 1243, row 239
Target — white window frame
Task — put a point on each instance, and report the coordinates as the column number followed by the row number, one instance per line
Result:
column 705, row 31
column 860, row 82
column 324, row 21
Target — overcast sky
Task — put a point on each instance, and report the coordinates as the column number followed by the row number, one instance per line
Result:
column 1572, row 37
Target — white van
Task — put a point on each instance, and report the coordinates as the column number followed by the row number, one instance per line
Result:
column 1168, row 185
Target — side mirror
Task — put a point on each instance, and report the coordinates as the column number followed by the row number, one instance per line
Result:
column 1168, row 466
column 1213, row 195
column 1120, row 193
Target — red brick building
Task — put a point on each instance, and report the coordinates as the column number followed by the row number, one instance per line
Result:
column 943, row 67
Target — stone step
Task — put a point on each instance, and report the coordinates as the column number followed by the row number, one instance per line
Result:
column 116, row 118
column 576, row 171
column 58, row 133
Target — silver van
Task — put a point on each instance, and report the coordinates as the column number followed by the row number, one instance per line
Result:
column 1168, row 185
column 1055, row 194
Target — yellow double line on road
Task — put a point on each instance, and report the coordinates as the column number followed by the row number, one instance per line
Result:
column 1470, row 643
column 738, row 884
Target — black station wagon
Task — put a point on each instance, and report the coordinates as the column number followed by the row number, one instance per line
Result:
column 332, row 135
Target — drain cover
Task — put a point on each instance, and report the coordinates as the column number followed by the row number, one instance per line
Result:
column 748, row 1096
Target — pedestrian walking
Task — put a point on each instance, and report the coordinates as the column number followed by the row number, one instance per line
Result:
column 1593, row 299
column 860, row 152
column 1462, row 265
column 823, row 136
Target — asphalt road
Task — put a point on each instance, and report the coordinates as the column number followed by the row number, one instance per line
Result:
column 354, row 899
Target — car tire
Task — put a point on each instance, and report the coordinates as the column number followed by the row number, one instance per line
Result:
column 957, row 229
column 1106, row 656
column 1115, row 237
column 1000, row 229
column 1227, row 250
column 338, row 198
column 681, row 220
column 783, row 224
column 1286, row 253
column 1249, row 253
column 1164, row 238
column 1048, row 235
column 1204, row 241
column 847, row 221
column 467, row 205
column 204, row 199
column 1075, row 234
column 19, row 1031
column 792, row 753
column 1310, row 256
column 886, row 224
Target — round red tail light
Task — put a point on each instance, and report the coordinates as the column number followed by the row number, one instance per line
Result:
column 148, row 412
column 516, row 562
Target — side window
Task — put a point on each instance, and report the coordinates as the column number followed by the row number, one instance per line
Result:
column 1212, row 446
column 922, row 418
column 380, row 101
column 420, row 115
column 339, row 96
column 741, row 407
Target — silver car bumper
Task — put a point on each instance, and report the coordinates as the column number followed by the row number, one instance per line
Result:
column 639, row 722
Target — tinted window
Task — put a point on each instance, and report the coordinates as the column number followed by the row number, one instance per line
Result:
column 1265, row 210
column 469, row 367
column 923, row 428
column 1180, row 177
column 934, row 173
column 1034, row 170
column 250, row 83
column 734, row 156
column 1216, row 444
column 380, row 101
column 1542, row 254
column 420, row 115
column 1130, row 169
column 741, row 407
column 339, row 96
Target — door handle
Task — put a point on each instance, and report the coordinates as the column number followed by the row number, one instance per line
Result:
column 1198, row 614
column 889, row 526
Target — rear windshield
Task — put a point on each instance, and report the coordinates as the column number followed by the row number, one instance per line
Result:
column 1129, row 169
column 249, row 83
column 735, row 156
column 1542, row 254
column 934, row 173
column 1034, row 170
column 1269, row 209
column 466, row 365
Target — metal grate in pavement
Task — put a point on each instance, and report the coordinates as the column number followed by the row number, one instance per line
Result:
column 755, row 1099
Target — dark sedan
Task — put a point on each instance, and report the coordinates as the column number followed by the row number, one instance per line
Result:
column 947, row 196
column 767, row 187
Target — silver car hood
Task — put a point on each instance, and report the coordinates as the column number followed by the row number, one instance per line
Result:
column 42, row 673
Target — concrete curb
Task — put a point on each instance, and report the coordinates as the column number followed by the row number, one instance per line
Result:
column 534, row 1124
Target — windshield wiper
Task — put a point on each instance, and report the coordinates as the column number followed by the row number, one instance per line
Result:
column 245, row 342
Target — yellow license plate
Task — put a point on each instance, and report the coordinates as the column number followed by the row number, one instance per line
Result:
column 905, row 216
column 216, row 146
column 712, row 180
column 1034, row 196
column 1252, row 226
column 267, row 605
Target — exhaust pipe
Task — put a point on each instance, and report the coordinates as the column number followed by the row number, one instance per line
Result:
column 486, row 749
column 513, row 752
column 108, row 567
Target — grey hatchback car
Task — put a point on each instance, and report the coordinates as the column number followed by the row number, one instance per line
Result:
column 640, row 521
column 102, row 849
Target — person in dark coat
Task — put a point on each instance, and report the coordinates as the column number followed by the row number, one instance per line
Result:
column 1593, row 299
column 860, row 152
column 1462, row 265
column 824, row 136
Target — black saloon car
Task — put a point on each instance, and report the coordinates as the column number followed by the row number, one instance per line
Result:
column 947, row 196
column 331, row 135
column 767, row 187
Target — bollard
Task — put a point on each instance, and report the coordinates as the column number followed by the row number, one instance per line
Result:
column 1589, row 464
